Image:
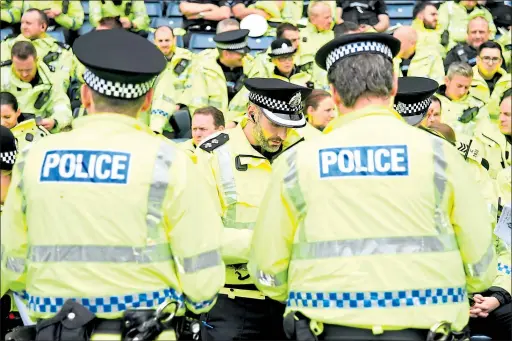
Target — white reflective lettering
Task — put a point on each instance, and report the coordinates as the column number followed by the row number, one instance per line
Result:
column 379, row 164
column 371, row 161
column 100, row 174
column 349, row 165
column 358, row 161
column 328, row 159
column 397, row 160
column 80, row 173
column 118, row 164
column 64, row 170
column 52, row 161
column 92, row 164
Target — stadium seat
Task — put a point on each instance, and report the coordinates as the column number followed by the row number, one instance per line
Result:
column 173, row 10
column 86, row 28
column 58, row 35
column 404, row 22
column 154, row 9
column 260, row 43
column 4, row 32
column 201, row 41
column 173, row 22
column 85, row 6
column 400, row 11
column 480, row 338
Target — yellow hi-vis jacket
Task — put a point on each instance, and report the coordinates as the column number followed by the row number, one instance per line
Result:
column 10, row 11
column 429, row 40
column 291, row 11
column 480, row 90
column 506, row 41
column 422, row 65
column 238, row 176
column 375, row 225
column 108, row 214
column 28, row 132
column 138, row 13
column 73, row 19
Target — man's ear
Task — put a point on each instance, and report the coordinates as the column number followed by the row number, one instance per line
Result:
column 86, row 96
column 394, row 89
column 148, row 98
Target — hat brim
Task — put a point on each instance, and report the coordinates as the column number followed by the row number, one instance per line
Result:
column 323, row 52
column 414, row 120
column 244, row 50
column 283, row 120
column 271, row 55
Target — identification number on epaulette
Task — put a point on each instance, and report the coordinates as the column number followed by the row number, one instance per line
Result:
column 91, row 166
column 363, row 161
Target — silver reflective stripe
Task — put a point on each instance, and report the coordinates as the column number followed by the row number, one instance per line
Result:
column 272, row 280
column 291, row 182
column 196, row 263
column 443, row 224
column 100, row 253
column 228, row 186
column 21, row 186
column 15, row 264
column 158, row 188
column 216, row 104
column 479, row 268
column 236, row 225
column 374, row 246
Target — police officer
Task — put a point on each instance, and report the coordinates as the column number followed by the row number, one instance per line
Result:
column 8, row 153
column 10, row 13
column 67, row 14
column 238, row 163
column 133, row 14
column 139, row 237
column 342, row 255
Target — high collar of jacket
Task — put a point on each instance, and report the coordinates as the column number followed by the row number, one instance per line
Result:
column 371, row 110
column 102, row 119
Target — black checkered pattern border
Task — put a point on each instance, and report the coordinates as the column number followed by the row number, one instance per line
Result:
column 356, row 48
column 272, row 104
column 236, row 46
column 116, row 89
column 285, row 49
column 412, row 109
column 8, row 157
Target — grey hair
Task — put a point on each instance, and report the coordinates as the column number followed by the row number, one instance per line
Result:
column 459, row 69
column 362, row 75
column 222, row 25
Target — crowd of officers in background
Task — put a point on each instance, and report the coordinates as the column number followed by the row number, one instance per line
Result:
column 453, row 43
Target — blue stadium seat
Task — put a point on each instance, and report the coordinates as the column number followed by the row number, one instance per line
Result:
column 154, row 9
column 4, row 32
column 201, row 41
column 173, row 10
column 480, row 338
column 403, row 11
column 85, row 6
column 400, row 2
column 173, row 22
column 404, row 22
column 260, row 43
column 58, row 35
column 86, row 28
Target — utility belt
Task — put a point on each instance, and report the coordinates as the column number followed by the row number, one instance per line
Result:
column 76, row 322
column 300, row 328
column 244, row 291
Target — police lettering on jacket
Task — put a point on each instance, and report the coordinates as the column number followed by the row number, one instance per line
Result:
column 92, row 166
column 364, row 161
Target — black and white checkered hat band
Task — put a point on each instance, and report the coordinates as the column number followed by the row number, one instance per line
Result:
column 356, row 48
column 273, row 104
column 8, row 157
column 413, row 109
column 283, row 50
column 237, row 46
column 116, row 89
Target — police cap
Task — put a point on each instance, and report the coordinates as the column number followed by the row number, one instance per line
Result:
column 281, row 47
column 235, row 41
column 355, row 44
column 414, row 97
column 7, row 149
column 119, row 64
column 280, row 101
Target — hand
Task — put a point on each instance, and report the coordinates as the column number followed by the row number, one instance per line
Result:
column 125, row 22
column 364, row 27
column 483, row 306
column 48, row 123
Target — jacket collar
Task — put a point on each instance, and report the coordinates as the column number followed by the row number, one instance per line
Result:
column 371, row 110
column 102, row 119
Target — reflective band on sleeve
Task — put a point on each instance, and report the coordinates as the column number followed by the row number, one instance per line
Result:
column 213, row 103
column 373, row 246
column 159, row 112
column 228, row 186
column 202, row 304
column 479, row 268
column 202, row 261
column 107, row 304
column 272, row 280
column 504, row 268
column 376, row 299
column 443, row 224
column 158, row 188
column 15, row 264
column 291, row 183
column 21, row 185
column 100, row 253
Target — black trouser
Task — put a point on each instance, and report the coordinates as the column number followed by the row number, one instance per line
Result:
column 498, row 325
column 243, row 319
column 340, row 333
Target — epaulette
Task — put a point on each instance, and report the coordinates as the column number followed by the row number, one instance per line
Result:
column 214, row 142
column 63, row 45
column 433, row 132
column 6, row 63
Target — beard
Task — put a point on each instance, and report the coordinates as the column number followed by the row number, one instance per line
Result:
column 430, row 25
column 264, row 143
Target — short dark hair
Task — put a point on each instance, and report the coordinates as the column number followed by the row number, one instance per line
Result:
column 23, row 50
column 489, row 45
column 507, row 93
column 436, row 99
column 420, row 7
column 43, row 18
column 216, row 114
column 286, row 26
column 6, row 98
column 346, row 26
column 111, row 22
column 314, row 99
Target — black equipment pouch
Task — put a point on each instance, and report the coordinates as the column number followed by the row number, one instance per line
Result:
column 296, row 327
column 128, row 8
column 463, row 56
column 147, row 324
column 42, row 98
column 73, row 322
column 181, row 66
column 445, row 38
column 51, row 57
column 65, row 6
column 468, row 114
column 27, row 333
column 240, row 83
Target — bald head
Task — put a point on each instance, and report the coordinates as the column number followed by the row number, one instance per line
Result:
column 408, row 38
column 164, row 40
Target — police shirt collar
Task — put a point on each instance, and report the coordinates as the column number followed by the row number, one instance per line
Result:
column 372, row 110
column 101, row 119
